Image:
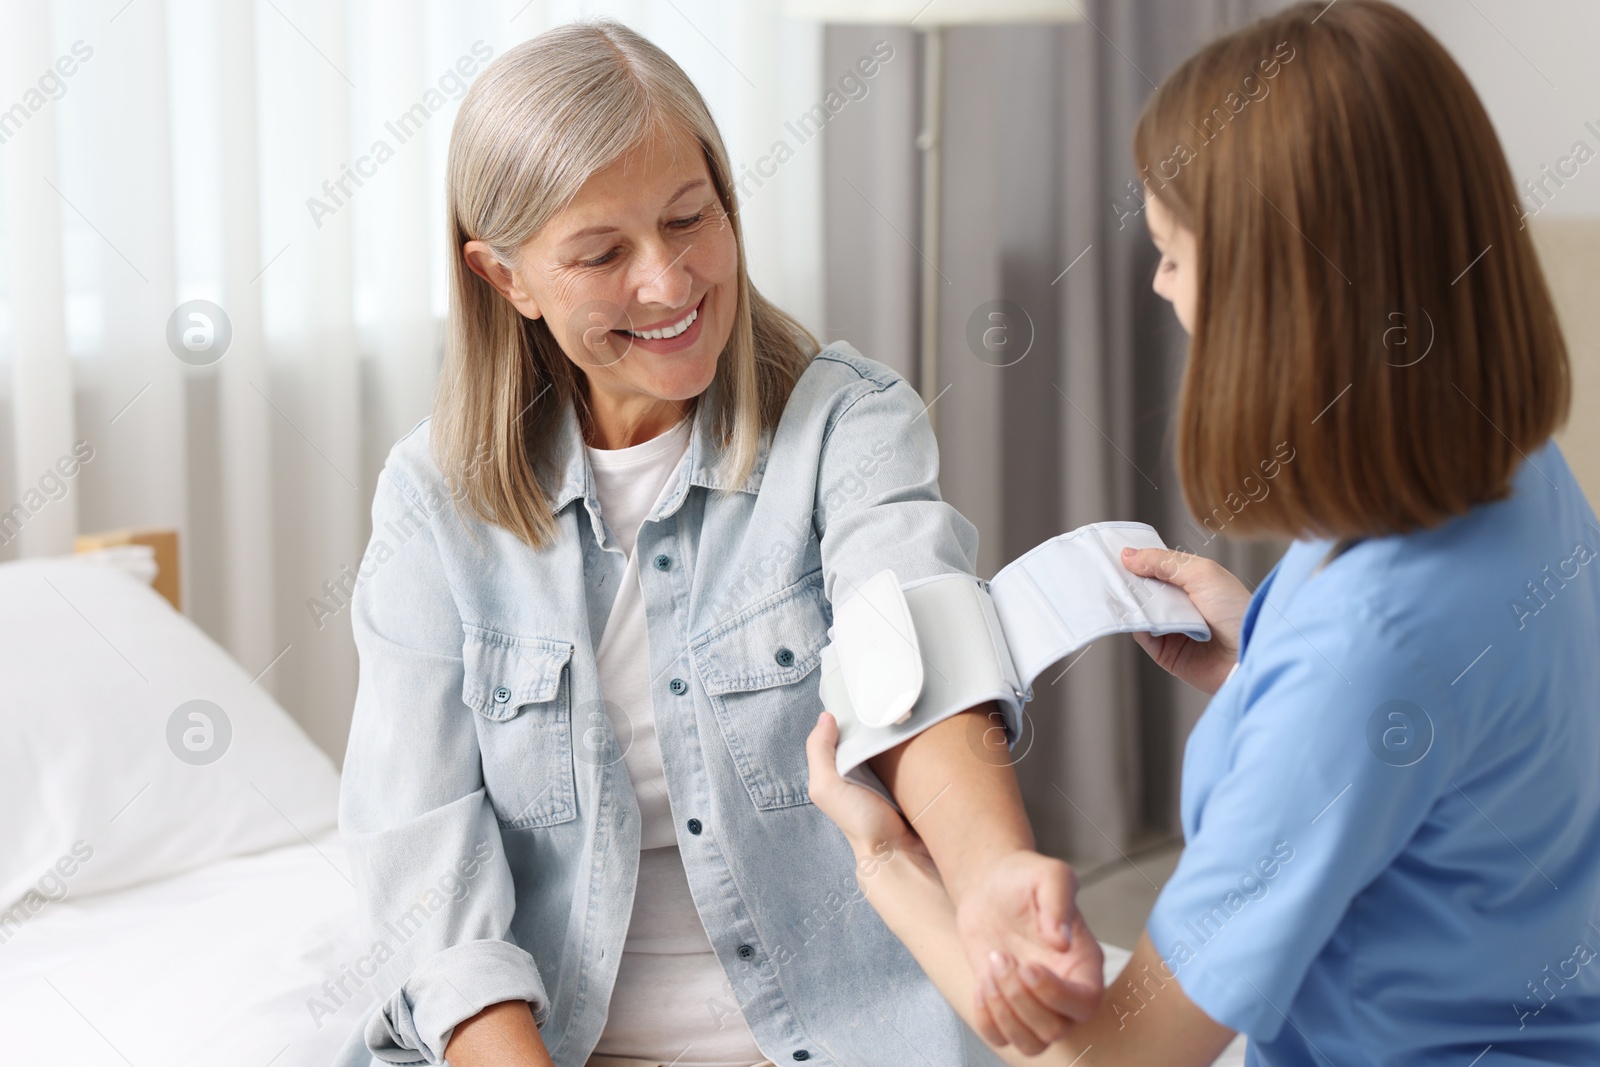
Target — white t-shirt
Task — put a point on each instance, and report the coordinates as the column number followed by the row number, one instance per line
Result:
column 672, row 1002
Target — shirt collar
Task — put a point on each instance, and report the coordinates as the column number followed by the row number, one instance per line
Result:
column 575, row 481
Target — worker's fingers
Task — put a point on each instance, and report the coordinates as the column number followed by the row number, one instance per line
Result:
column 821, row 746
column 1055, row 896
column 983, row 1021
column 828, row 791
column 1068, row 999
column 865, row 818
column 1179, row 568
column 1040, row 1019
column 1014, row 1030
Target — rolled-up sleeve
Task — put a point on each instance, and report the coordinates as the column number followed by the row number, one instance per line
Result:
column 426, row 855
column 878, row 507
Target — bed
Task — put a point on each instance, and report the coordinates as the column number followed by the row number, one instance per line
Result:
column 224, row 964
column 173, row 889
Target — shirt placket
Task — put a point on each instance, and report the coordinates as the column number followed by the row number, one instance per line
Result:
column 666, row 577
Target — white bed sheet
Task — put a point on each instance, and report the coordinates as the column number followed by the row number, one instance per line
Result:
column 214, row 966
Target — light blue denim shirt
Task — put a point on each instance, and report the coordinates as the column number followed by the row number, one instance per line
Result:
column 492, row 825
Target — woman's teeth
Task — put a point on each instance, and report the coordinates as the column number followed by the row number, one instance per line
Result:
column 668, row 331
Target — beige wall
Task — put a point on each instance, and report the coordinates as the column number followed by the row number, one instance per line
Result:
column 1570, row 252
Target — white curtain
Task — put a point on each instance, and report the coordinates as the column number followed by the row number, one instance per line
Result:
column 256, row 154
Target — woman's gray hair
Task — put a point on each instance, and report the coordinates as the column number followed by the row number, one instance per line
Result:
column 538, row 123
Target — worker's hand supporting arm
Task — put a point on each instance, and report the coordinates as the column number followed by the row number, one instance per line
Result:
column 1145, row 1018
column 1012, row 906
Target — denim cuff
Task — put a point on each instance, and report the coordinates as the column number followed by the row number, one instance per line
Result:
column 415, row 1024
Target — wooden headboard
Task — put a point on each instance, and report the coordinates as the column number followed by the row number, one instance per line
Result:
column 165, row 544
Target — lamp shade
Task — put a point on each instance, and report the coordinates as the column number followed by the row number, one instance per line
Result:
column 926, row 13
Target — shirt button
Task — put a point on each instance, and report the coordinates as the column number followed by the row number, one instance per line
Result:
column 663, row 562
column 745, row 952
column 695, row 827
column 785, row 657
column 801, row 1054
column 678, row 686
column 502, row 695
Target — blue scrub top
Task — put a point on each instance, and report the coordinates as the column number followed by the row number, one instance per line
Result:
column 1392, row 806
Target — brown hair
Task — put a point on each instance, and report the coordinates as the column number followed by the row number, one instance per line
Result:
column 1366, row 296
column 535, row 126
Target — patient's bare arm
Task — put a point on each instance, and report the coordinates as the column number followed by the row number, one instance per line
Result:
column 955, row 783
column 501, row 1035
column 959, row 792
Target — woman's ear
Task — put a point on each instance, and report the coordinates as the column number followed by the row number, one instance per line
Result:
column 486, row 265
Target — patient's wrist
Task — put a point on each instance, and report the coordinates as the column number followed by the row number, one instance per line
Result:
column 978, row 865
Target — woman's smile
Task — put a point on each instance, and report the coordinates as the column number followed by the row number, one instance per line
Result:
column 667, row 335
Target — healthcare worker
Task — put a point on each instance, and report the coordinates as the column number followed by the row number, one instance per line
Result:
column 1391, row 804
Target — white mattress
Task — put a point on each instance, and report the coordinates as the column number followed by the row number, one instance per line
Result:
column 210, row 967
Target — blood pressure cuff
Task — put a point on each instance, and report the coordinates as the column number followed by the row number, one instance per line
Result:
column 903, row 657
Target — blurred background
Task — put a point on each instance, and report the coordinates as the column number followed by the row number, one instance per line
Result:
column 276, row 169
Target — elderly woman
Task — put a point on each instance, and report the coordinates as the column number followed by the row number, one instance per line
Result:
column 599, row 584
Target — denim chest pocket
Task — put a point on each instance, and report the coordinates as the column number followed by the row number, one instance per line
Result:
column 759, row 670
column 519, row 690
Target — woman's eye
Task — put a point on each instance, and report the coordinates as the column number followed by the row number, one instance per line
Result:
column 685, row 223
column 601, row 261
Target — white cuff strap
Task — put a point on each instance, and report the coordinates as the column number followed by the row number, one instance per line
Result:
column 1073, row 590
column 905, row 658
column 952, row 656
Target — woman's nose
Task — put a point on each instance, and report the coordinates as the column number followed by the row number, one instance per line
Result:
column 663, row 278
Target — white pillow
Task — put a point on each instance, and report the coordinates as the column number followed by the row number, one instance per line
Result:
column 93, row 794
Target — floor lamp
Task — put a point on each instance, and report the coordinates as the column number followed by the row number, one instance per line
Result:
column 932, row 17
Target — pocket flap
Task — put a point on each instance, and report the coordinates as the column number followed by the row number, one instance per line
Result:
column 502, row 672
column 777, row 641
